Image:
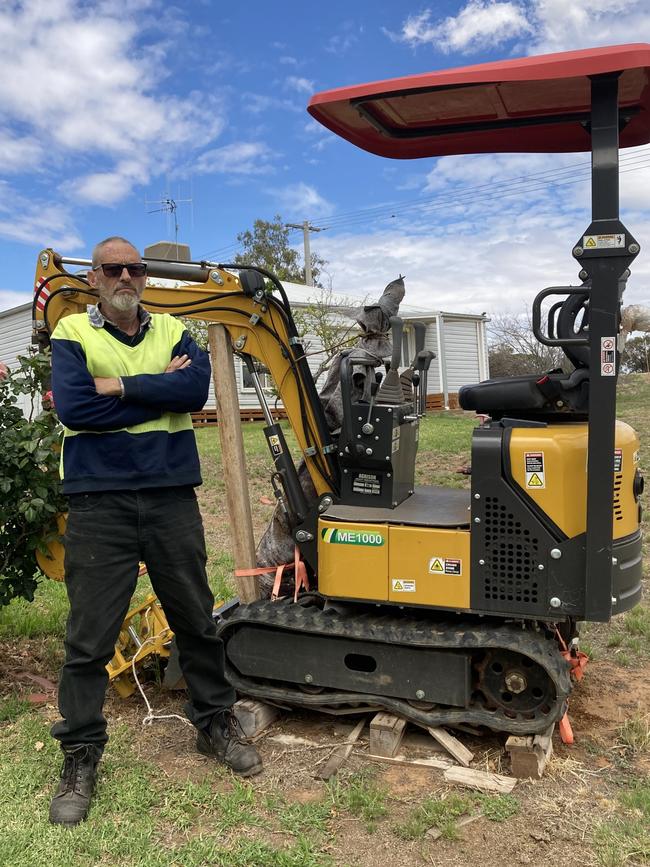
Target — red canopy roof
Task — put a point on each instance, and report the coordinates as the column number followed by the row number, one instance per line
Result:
column 536, row 104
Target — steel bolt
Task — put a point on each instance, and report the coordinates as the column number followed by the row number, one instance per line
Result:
column 388, row 475
column 303, row 536
column 614, row 600
column 481, row 562
column 367, row 429
column 516, row 682
column 477, row 520
column 368, row 451
column 44, row 259
column 555, row 602
column 324, row 504
column 578, row 251
column 614, row 561
column 541, row 567
column 477, row 496
column 309, row 678
column 634, row 248
column 556, row 553
column 360, row 418
column 216, row 277
column 419, row 693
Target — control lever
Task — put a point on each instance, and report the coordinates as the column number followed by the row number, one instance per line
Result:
column 424, row 359
column 368, row 428
column 391, row 389
column 409, row 378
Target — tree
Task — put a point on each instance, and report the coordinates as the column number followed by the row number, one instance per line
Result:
column 267, row 246
column 30, row 489
column 331, row 321
column 636, row 356
column 514, row 349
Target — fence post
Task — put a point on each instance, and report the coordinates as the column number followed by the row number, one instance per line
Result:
column 234, row 460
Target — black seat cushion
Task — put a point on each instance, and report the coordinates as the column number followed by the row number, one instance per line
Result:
column 545, row 397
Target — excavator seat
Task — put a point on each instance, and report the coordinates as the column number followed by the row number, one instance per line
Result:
column 552, row 396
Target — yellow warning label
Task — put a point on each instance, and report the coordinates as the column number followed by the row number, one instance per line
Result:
column 591, row 242
column 535, row 482
column 397, row 585
column 436, row 565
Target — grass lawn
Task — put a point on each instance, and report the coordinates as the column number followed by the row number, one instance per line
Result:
column 160, row 803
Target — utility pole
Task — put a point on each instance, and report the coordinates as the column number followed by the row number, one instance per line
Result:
column 306, row 229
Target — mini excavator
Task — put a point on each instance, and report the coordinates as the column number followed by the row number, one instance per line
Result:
column 447, row 607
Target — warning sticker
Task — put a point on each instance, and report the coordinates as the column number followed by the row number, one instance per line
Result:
column 276, row 445
column 607, row 356
column 445, row 566
column 603, row 242
column 534, row 467
column 618, row 460
column 401, row 585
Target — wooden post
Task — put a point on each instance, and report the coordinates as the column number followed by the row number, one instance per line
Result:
column 234, row 460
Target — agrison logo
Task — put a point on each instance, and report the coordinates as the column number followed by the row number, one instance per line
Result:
column 336, row 536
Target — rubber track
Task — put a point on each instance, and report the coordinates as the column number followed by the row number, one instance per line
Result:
column 287, row 617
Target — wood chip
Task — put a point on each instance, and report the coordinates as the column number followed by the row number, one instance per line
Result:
column 453, row 746
column 341, row 753
column 481, row 780
column 437, row 764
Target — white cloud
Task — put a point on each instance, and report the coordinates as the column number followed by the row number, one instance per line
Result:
column 257, row 103
column 286, row 60
column 35, row 222
column 302, row 201
column 243, row 158
column 301, row 85
column 530, row 26
column 75, row 80
column 18, row 153
column 9, row 298
column 479, row 24
column 561, row 26
column 345, row 39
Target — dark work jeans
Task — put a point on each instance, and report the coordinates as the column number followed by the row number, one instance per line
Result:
column 107, row 534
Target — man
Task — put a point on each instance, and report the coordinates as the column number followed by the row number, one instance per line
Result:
column 4, row 371
column 124, row 382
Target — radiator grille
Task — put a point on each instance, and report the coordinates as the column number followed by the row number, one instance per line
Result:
column 511, row 557
column 618, row 509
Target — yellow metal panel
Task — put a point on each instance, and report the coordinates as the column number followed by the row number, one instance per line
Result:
column 353, row 560
column 429, row 566
column 560, row 488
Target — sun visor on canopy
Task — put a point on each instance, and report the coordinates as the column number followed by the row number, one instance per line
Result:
column 532, row 104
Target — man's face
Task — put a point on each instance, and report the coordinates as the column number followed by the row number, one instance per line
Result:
column 124, row 292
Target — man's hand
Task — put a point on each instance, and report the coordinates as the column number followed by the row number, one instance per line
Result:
column 108, row 386
column 178, row 362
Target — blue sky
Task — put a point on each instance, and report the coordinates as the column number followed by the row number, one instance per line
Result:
column 108, row 107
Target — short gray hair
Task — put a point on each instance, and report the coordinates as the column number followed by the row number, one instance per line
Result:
column 99, row 247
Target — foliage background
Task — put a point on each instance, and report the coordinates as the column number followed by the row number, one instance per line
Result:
column 30, row 489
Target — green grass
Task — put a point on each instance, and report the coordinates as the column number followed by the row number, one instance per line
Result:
column 634, row 733
column 138, row 818
column 361, row 796
column 625, row 838
column 435, row 812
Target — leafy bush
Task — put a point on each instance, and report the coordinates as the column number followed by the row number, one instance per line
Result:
column 30, row 491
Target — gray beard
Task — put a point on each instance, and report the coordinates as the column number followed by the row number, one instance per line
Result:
column 124, row 301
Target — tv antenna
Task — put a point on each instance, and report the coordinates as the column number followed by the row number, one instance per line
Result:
column 169, row 206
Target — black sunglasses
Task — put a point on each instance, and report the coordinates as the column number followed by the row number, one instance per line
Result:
column 114, row 269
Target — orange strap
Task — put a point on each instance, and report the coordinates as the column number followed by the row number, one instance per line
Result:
column 576, row 659
column 300, row 575
column 566, row 732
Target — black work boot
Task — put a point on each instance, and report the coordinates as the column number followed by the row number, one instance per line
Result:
column 72, row 799
column 224, row 740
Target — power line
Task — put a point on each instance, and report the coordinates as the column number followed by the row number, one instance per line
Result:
column 535, row 182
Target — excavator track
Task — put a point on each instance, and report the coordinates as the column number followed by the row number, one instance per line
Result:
column 502, row 675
